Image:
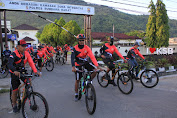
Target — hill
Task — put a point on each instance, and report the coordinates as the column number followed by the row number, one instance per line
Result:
column 102, row 21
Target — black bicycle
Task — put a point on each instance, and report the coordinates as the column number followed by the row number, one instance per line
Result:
column 124, row 83
column 148, row 77
column 86, row 87
column 60, row 58
column 33, row 104
column 4, row 71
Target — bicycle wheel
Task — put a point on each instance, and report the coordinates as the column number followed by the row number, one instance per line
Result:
column 101, row 77
column 35, row 106
column 49, row 65
column 90, row 99
column 18, row 100
column 79, row 91
column 4, row 72
column 149, row 78
column 125, row 83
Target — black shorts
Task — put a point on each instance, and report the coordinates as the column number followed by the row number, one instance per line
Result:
column 88, row 66
column 40, row 62
column 109, row 63
column 15, row 82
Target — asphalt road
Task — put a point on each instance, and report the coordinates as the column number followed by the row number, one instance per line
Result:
column 58, row 88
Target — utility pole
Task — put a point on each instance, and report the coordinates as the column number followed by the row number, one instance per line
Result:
column 5, row 27
column 1, row 40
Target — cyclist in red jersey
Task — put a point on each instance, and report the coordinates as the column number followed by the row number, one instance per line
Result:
column 39, row 55
column 17, row 60
column 132, row 54
column 107, row 51
column 66, row 48
column 45, row 49
column 79, row 58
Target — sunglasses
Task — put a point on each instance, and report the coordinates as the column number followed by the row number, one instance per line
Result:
column 81, row 40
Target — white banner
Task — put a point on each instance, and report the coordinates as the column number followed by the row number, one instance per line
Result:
column 45, row 7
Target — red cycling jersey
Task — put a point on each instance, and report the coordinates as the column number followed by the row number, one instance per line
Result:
column 82, row 53
column 51, row 49
column 132, row 53
column 45, row 50
column 16, row 58
column 41, row 54
column 109, row 50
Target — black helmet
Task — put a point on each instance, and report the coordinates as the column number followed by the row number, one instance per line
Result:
column 80, row 36
column 137, row 43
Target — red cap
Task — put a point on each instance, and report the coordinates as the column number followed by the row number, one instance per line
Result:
column 22, row 42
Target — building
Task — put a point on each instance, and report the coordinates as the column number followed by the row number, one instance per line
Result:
column 120, row 38
column 27, row 33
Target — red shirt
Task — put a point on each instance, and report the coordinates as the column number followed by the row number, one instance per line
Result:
column 51, row 49
column 83, row 53
column 16, row 58
column 41, row 54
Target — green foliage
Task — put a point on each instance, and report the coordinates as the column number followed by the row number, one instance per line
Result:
column 140, row 34
column 101, row 22
column 151, row 27
column 162, row 27
column 157, row 28
column 73, row 27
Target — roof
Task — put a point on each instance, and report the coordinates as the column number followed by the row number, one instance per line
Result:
column 28, row 39
column 103, row 36
column 25, row 27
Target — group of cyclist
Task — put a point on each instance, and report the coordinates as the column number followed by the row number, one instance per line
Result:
column 81, row 54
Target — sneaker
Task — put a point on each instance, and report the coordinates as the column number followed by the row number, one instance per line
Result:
column 15, row 109
column 76, row 98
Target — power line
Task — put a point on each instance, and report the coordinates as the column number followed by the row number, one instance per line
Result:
column 132, row 4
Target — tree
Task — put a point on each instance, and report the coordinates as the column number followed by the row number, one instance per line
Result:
column 157, row 28
column 151, row 27
column 162, row 27
column 51, row 33
column 68, row 38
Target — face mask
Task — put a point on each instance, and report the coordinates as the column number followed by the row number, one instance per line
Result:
column 80, row 46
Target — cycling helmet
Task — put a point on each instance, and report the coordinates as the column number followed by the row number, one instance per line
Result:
column 80, row 36
column 136, row 43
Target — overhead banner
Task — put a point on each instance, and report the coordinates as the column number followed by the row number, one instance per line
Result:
column 46, row 7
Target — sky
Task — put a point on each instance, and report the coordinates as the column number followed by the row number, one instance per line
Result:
column 137, row 7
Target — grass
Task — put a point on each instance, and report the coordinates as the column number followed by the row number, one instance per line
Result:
column 4, row 90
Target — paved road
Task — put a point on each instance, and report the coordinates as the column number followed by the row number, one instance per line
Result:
column 58, row 88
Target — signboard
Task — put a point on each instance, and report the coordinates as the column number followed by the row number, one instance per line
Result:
column 10, row 36
column 45, row 7
column 160, row 51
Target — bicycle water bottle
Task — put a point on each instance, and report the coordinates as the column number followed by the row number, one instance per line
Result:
column 82, row 85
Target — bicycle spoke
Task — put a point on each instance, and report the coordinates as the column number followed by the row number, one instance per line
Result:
column 35, row 106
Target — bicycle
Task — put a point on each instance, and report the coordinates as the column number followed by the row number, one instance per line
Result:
column 60, row 59
column 86, row 87
column 47, row 63
column 148, row 77
column 124, row 83
column 4, row 71
column 28, row 97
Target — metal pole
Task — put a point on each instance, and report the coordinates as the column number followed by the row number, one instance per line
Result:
column 1, row 40
column 5, row 27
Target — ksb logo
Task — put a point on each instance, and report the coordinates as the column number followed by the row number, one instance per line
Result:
column 160, row 50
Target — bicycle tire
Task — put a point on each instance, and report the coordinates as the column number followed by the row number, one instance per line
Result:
column 49, row 66
column 3, row 75
column 18, row 99
column 93, row 98
column 149, row 79
column 79, row 91
column 125, row 80
column 101, row 78
column 34, row 107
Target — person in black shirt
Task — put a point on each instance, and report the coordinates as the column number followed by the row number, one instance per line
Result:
column 6, row 53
